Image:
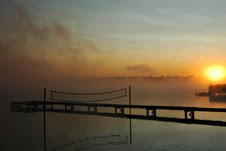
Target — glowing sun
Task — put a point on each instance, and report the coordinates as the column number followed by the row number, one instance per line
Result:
column 215, row 73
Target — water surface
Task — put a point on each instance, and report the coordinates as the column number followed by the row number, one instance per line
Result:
column 22, row 131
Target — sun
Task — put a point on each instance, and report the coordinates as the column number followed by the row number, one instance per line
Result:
column 215, row 73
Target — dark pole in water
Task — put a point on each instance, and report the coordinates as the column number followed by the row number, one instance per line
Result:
column 130, row 122
column 44, row 118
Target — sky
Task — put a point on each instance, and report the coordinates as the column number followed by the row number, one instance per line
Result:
column 85, row 38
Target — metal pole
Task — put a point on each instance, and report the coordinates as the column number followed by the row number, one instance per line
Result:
column 44, row 119
column 130, row 121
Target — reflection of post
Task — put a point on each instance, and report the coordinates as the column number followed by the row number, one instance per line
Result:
column 44, row 118
column 130, row 122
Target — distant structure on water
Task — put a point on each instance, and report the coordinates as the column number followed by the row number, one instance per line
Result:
column 214, row 90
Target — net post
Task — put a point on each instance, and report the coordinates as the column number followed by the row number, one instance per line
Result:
column 44, row 118
column 130, row 121
column 51, row 95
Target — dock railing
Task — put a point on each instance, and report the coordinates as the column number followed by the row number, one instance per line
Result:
column 116, row 109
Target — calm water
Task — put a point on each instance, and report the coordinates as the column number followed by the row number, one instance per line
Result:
column 21, row 131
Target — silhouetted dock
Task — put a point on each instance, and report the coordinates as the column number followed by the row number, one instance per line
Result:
column 118, row 110
column 214, row 91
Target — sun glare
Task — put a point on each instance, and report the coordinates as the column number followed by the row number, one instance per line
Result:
column 215, row 73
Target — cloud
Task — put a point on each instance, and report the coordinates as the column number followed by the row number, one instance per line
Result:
column 139, row 68
column 22, row 12
column 41, row 32
column 31, row 48
column 62, row 32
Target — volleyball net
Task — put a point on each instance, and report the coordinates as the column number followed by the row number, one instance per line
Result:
column 87, row 97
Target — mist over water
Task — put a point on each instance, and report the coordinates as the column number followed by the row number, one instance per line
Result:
column 24, row 131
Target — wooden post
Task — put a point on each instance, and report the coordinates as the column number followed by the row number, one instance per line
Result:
column 147, row 112
column 12, row 106
column 44, row 118
column 115, row 110
column 122, row 110
column 154, row 112
column 35, row 107
column 72, row 108
column 130, row 121
column 186, row 114
column 192, row 115
column 19, row 107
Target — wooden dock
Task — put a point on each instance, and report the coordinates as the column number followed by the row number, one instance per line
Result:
column 118, row 111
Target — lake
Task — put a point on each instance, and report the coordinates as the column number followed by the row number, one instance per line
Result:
column 23, row 131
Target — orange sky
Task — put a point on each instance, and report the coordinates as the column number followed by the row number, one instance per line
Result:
column 99, row 38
